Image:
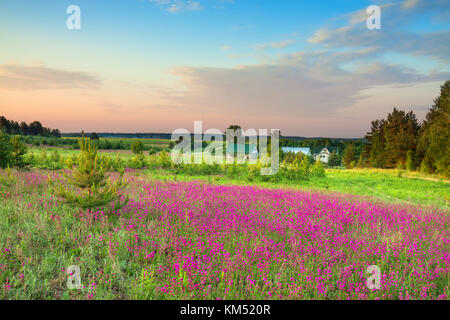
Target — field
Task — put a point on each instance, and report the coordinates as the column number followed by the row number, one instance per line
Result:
column 384, row 185
column 224, row 232
column 195, row 240
column 393, row 186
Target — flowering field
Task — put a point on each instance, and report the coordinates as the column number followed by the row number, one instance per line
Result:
column 191, row 240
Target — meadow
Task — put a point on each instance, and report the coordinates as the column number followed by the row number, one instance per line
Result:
column 194, row 240
column 224, row 232
column 389, row 185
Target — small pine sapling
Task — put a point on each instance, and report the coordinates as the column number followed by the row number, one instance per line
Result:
column 93, row 185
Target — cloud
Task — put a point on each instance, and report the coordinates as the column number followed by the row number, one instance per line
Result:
column 408, row 4
column 274, row 45
column 345, row 78
column 22, row 77
column 225, row 48
column 306, row 87
column 177, row 6
column 392, row 38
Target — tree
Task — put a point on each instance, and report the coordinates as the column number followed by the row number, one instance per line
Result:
column 401, row 132
column 318, row 169
column 137, row 147
column 5, row 150
column 305, row 167
column 36, row 129
column 94, row 136
column 373, row 151
column 334, row 160
column 376, row 158
column 89, row 176
column 234, row 127
column 433, row 148
column 349, row 156
column 410, row 161
column 56, row 133
column 24, row 128
column 18, row 150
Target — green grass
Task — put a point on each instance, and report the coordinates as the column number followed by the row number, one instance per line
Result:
column 384, row 185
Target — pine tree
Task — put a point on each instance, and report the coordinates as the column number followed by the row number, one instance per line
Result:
column 94, row 136
column 349, row 156
column 334, row 160
column 318, row 170
column 89, row 176
column 305, row 167
column 19, row 149
column 433, row 149
column 5, row 150
column 401, row 132
column 410, row 163
column 137, row 147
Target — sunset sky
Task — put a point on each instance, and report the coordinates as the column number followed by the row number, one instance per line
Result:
column 309, row 68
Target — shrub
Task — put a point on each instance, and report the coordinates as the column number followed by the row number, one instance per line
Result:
column 137, row 162
column 8, row 180
column 164, row 160
column 318, row 170
column 137, row 147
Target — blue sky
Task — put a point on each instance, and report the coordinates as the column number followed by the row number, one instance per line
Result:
column 309, row 68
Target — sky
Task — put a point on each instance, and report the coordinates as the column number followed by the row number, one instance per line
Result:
column 308, row 68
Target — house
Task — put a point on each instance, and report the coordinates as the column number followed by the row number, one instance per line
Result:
column 305, row 151
column 323, row 153
column 250, row 150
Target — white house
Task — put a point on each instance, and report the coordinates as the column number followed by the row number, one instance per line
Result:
column 323, row 154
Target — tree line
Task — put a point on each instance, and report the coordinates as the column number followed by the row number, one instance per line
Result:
column 400, row 141
column 34, row 128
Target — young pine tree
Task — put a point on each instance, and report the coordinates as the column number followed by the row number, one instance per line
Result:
column 5, row 150
column 349, row 156
column 93, row 186
column 410, row 163
column 137, row 147
column 318, row 170
column 334, row 160
column 19, row 149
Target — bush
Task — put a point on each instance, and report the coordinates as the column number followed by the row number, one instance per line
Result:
column 137, row 162
column 164, row 160
column 318, row 170
column 137, row 147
